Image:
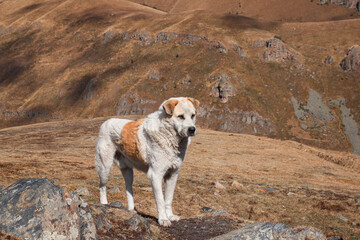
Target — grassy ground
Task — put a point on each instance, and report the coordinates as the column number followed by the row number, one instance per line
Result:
column 280, row 181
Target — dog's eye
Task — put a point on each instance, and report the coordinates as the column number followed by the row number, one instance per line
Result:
column 181, row 117
column 192, row 116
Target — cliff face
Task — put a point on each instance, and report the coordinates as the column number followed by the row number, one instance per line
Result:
column 346, row 3
column 65, row 60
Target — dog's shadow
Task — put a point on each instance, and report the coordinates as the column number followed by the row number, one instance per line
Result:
column 144, row 215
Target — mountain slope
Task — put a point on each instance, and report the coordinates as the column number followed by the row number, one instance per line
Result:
column 79, row 59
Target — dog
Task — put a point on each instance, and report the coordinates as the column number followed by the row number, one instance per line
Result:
column 155, row 145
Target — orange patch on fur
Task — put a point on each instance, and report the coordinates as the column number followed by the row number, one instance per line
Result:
column 129, row 143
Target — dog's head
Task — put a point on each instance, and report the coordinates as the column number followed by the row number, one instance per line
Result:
column 182, row 114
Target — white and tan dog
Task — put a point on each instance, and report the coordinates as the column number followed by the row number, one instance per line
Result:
column 155, row 145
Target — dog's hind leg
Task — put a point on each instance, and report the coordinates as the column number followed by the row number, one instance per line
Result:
column 128, row 176
column 103, row 164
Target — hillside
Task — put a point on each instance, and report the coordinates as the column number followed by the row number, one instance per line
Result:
column 259, row 70
column 317, row 188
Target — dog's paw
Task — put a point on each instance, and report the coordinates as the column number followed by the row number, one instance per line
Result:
column 164, row 222
column 174, row 218
column 133, row 211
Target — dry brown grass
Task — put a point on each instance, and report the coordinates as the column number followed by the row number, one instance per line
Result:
column 309, row 186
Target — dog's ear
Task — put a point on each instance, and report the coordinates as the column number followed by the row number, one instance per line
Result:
column 195, row 102
column 169, row 106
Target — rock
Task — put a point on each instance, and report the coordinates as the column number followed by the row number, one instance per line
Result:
column 259, row 43
column 235, row 120
column 38, row 209
column 264, row 189
column 344, row 219
column 328, row 59
column 351, row 62
column 187, row 80
column 144, row 38
column 278, row 51
column 154, row 75
column 119, row 223
column 303, row 126
column 236, row 184
column 88, row 92
column 219, row 46
column 219, row 185
column 90, row 138
column 114, row 189
column 351, row 126
column 82, row 191
column 218, row 212
column 189, row 40
column 132, row 104
column 335, row 238
column 269, row 231
column 124, row 36
column 206, row 209
column 222, row 87
column 116, row 204
column 239, row 50
column 138, row 223
column 166, row 37
column 346, row 3
column 108, row 35
column 315, row 107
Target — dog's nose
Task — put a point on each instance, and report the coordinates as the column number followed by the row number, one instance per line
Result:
column 191, row 131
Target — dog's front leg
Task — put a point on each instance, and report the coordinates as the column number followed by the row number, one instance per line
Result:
column 170, row 183
column 156, row 182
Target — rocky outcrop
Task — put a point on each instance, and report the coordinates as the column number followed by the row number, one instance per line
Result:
column 38, row 209
column 345, row 3
column 113, row 221
column 236, row 120
column 222, row 87
column 89, row 89
column 108, row 35
column 277, row 51
column 22, row 28
column 351, row 127
column 329, row 59
column 315, row 107
column 351, row 62
column 132, row 104
column 166, row 37
column 271, row 230
column 143, row 37
column 29, row 114
column 239, row 50
column 189, row 39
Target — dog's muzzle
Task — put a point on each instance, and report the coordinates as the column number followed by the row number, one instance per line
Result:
column 191, row 131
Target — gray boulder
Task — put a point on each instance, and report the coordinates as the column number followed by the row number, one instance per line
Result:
column 351, row 62
column 39, row 209
column 269, row 231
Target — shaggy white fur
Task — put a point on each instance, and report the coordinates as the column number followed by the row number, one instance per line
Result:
column 156, row 146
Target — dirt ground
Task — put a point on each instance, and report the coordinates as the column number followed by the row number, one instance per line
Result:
column 279, row 181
